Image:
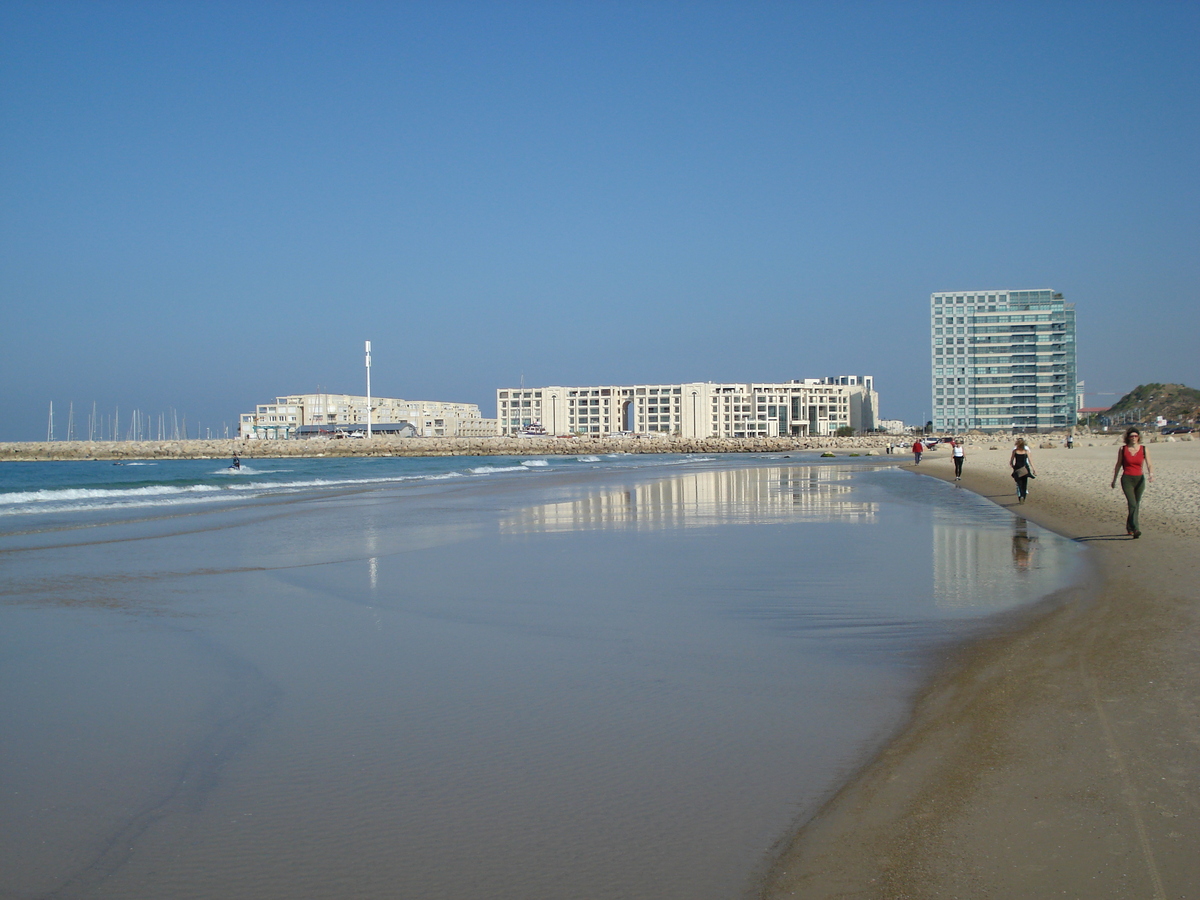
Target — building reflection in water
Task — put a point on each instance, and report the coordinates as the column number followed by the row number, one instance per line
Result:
column 767, row 495
column 973, row 568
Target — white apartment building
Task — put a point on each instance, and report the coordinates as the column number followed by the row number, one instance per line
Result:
column 1002, row 360
column 312, row 415
column 812, row 406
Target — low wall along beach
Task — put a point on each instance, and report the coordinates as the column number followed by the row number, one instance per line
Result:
column 495, row 446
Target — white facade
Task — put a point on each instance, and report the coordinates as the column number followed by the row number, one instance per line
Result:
column 298, row 414
column 1002, row 360
column 813, row 406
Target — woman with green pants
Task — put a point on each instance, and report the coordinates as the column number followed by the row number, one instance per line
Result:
column 1131, row 460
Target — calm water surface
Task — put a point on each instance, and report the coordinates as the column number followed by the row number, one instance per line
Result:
column 558, row 678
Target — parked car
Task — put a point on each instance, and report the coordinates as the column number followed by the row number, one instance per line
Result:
column 1177, row 429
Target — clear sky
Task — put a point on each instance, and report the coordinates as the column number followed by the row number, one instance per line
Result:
column 205, row 205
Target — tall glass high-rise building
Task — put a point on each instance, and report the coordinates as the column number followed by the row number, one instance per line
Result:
column 1002, row 360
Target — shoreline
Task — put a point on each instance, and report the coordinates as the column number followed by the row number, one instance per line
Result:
column 1055, row 759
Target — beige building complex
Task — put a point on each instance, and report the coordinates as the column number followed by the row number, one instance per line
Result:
column 812, row 406
column 340, row 415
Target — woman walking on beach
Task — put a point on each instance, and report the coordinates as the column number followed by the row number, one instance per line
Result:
column 1022, row 469
column 959, row 453
column 1131, row 460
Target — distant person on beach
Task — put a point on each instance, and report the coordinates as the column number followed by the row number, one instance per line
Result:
column 1132, row 459
column 1070, row 442
column 1022, row 469
column 959, row 453
column 918, row 448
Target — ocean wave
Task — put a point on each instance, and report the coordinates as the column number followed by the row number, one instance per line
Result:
column 535, row 462
column 587, row 459
column 66, row 494
column 114, row 504
column 82, row 499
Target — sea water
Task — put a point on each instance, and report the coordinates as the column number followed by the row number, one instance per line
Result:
column 503, row 677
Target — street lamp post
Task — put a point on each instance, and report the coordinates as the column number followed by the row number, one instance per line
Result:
column 368, row 389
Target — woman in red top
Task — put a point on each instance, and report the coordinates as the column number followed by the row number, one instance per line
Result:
column 1131, row 459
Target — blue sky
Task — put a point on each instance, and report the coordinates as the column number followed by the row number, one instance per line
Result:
column 205, row 205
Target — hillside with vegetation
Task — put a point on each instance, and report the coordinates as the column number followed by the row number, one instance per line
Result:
column 1174, row 402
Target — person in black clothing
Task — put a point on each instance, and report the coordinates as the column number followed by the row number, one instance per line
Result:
column 1022, row 469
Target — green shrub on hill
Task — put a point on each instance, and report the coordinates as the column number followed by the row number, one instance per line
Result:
column 1176, row 402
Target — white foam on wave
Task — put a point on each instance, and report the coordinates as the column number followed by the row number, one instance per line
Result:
column 109, row 505
column 587, row 459
column 535, row 462
column 66, row 494
column 491, row 470
column 675, row 462
column 53, row 500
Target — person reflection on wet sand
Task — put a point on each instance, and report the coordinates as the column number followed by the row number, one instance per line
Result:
column 1022, row 545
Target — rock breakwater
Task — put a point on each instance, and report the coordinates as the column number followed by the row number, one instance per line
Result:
column 393, row 446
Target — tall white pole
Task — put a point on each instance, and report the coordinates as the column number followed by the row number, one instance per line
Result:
column 368, row 388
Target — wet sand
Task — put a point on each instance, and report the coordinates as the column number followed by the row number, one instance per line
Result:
column 549, row 683
column 1058, row 760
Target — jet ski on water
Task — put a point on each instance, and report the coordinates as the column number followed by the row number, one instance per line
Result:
column 236, row 464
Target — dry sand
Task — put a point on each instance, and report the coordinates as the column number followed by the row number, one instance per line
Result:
column 1061, row 759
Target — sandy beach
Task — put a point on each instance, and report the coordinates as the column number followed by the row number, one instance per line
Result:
column 1058, row 759
column 1054, row 758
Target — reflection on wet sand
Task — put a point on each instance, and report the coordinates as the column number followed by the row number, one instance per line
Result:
column 972, row 569
column 368, row 683
column 768, row 495
column 1023, row 545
